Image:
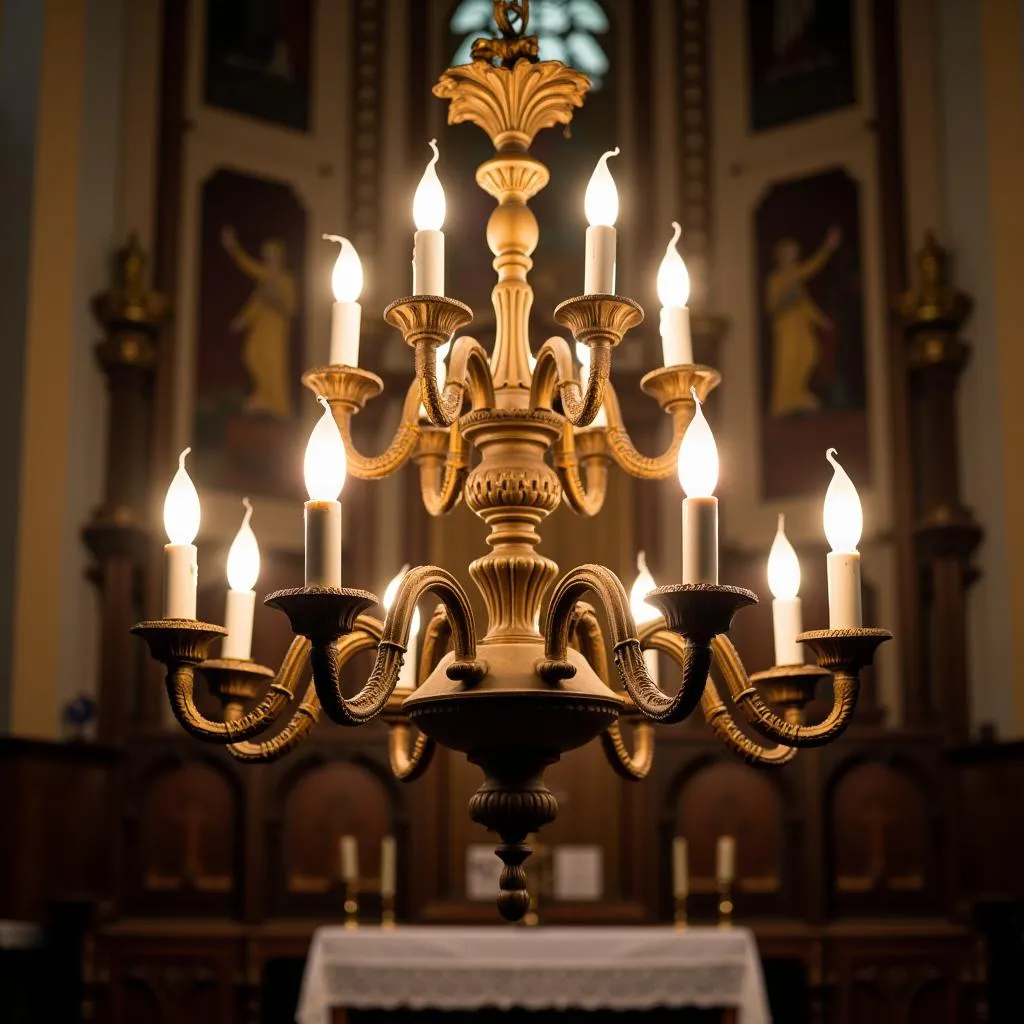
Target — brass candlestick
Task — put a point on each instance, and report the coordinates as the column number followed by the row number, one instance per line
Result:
column 725, row 904
column 387, row 910
column 680, row 916
column 351, row 905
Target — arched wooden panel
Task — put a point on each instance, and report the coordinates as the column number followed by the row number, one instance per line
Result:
column 728, row 798
column 879, row 833
column 188, row 819
column 320, row 807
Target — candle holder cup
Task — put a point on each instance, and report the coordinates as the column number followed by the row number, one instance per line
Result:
column 599, row 318
column 844, row 651
column 179, row 642
column 233, row 681
column 670, row 386
column 347, row 388
column 700, row 611
column 427, row 318
column 790, row 687
column 321, row 614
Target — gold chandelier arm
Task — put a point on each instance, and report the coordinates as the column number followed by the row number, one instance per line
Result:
column 180, row 684
column 327, row 659
column 555, row 373
column 402, row 446
column 442, row 477
column 307, row 714
column 716, row 714
column 586, row 629
column 631, row 766
column 468, row 371
column 585, row 493
column 651, row 701
column 406, row 765
column 624, row 452
column 845, row 687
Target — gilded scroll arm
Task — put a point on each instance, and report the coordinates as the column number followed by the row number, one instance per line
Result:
column 306, row 715
column 394, row 639
column 397, row 453
column 845, row 687
column 583, row 492
column 469, row 372
column 716, row 714
column 555, row 374
column 624, row 452
column 443, row 460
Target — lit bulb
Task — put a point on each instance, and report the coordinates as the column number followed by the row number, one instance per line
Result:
column 601, row 202
column 347, row 275
column 428, row 206
column 181, row 506
column 783, row 565
column 698, row 456
column 673, row 278
column 642, row 586
column 843, row 516
column 391, row 591
column 244, row 554
column 325, row 466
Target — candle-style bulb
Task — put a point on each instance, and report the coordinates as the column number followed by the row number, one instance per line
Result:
column 347, row 275
column 181, row 506
column 244, row 554
column 325, row 465
column 783, row 565
column 428, row 204
column 673, row 277
column 698, row 456
column 642, row 586
column 842, row 514
column 601, row 202
column 391, row 591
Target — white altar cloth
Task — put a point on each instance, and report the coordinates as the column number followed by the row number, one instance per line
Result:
column 532, row 968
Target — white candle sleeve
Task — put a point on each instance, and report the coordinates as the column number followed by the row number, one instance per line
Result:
column 676, row 341
column 599, row 269
column 844, row 607
column 181, row 580
column 323, row 543
column 680, row 869
column 349, row 859
column 428, row 263
column 651, row 663
column 725, row 860
column 345, row 317
column 388, row 859
column 787, row 619
column 700, row 540
column 407, row 673
column 238, row 616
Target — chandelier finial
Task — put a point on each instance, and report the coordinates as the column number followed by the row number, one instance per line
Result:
column 511, row 45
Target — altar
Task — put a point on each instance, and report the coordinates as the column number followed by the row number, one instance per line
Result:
column 532, row 969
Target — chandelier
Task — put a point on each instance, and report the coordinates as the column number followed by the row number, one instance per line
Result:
column 535, row 434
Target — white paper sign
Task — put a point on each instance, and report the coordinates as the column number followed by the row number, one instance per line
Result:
column 579, row 873
column 483, row 869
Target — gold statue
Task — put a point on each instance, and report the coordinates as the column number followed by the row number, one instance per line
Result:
column 796, row 322
column 266, row 320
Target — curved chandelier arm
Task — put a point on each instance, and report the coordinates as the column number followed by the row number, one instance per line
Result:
column 585, row 493
column 635, row 766
column 307, row 714
column 370, row 701
column 555, row 372
column 442, row 477
column 586, row 631
column 180, row 684
column 650, row 700
column 397, row 453
column 716, row 714
column 406, row 765
column 845, row 686
column 624, row 452
column 468, row 371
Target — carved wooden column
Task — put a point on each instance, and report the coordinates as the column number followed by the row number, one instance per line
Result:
column 132, row 316
column 945, row 531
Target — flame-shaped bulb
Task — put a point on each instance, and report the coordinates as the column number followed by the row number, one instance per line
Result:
column 601, row 202
column 698, row 456
column 783, row 565
column 428, row 204
column 181, row 506
column 244, row 554
column 673, row 277
column 347, row 275
column 642, row 586
column 842, row 514
column 325, row 465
